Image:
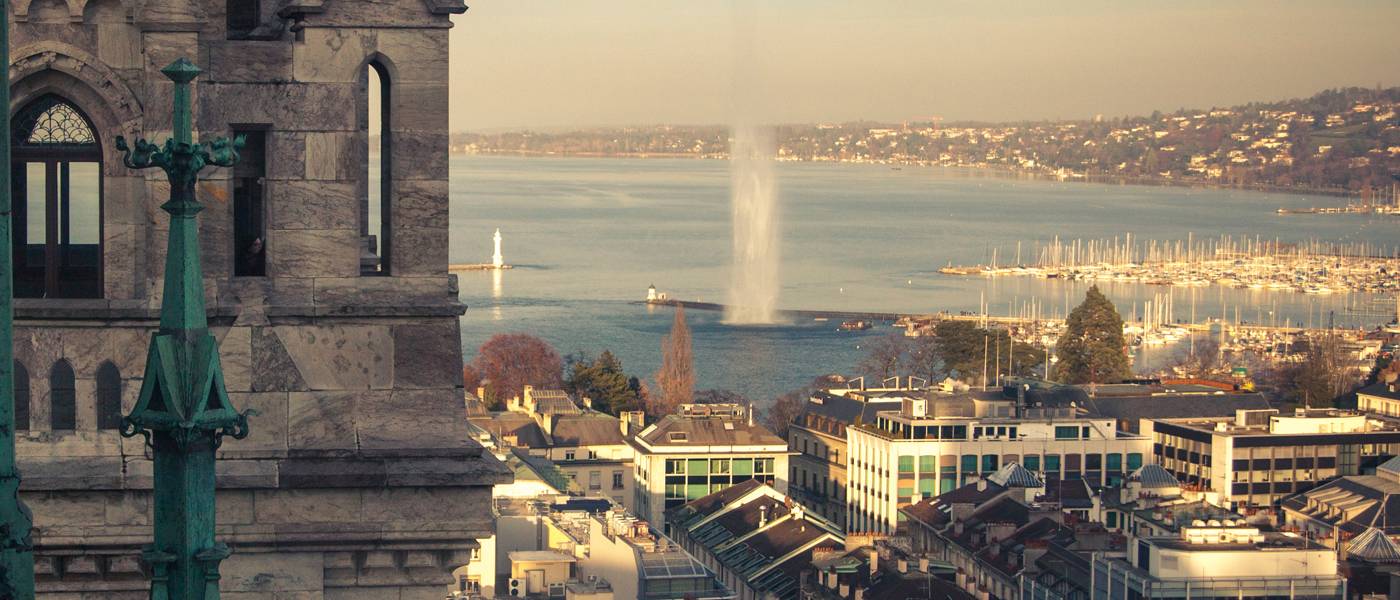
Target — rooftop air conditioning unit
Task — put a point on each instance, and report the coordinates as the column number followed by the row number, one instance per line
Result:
column 517, row 588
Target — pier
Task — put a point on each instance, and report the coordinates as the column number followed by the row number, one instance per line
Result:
column 911, row 321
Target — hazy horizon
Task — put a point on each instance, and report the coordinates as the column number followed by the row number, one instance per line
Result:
column 555, row 64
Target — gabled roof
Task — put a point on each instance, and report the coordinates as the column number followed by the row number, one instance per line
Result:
column 686, row 430
column 1375, row 546
column 1012, row 474
column 587, row 429
column 936, row 511
column 502, row 424
column 1152, row 475
column 1352, row 504
column 763, row 538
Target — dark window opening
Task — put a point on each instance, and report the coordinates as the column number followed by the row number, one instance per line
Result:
column 63, row 397
column 109, row 396
column 375, row 226
column 243, row 18
column 56, row 174
column 249, row 206
column 21, row 397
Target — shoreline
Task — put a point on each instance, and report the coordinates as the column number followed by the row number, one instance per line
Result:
column 994, row 172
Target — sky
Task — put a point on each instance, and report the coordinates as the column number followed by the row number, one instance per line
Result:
column 556, row 64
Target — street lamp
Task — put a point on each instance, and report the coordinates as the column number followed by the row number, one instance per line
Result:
column 183, row 410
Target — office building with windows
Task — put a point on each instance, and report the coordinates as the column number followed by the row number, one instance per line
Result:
column 933, row 446
column 702, row 449
column 817, row 438
column 1259, row 457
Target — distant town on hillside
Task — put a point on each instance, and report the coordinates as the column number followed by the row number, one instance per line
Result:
column 1344, row 141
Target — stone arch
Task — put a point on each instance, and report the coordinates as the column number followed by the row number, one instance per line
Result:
column 55, row 68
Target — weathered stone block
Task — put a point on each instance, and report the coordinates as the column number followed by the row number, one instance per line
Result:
column 418, row 106
column 128, row 508
column 286, row 151
column 420, row 250
column 341, row 358
column 272, row 369
column 323, row 154
column 313, row 252
column 268, row 573
column 389, row 291
column 394, row 505
column 267, row 425
column 250, row 61
column 428, row 49
column 309, row 506
column 313, row 205
column 410, row 419
column 420, row 155
column 322, row 420
column 420, row 202
column 119, row 45
column 331, row 54
column 236, row 358
column 235, row 507
column 427, row 355
column 307, row 106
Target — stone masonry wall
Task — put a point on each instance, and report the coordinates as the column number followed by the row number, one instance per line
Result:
column 358, row 480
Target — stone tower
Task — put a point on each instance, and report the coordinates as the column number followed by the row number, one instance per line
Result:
column 325, row 257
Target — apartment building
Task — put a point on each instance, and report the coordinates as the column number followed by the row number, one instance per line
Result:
column 817, row 438
column 1258, row 457
column 935, row 445
column 702, row 449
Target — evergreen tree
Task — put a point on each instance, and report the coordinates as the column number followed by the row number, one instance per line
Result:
column 1092, row 349
column 675, row 382
column 603, row 381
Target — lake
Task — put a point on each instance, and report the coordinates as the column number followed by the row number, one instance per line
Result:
column 587, row 236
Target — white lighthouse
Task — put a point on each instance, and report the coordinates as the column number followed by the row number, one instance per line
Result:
column 496, row 260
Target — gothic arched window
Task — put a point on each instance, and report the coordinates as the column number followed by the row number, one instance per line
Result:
column 56, row 170
column 21, row 397
column 63, row 397
column 109, row 396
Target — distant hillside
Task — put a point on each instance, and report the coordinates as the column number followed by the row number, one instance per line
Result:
column 1342, row 140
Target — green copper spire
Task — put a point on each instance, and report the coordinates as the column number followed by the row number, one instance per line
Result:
column 183, row 409
column 16, row 546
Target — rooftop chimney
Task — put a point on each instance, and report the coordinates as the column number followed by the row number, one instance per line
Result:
column 762, row 515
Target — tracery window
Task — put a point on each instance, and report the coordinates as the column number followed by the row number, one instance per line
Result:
column 56, row 174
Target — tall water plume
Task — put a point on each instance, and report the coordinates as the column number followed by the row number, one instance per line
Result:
column 753, row 291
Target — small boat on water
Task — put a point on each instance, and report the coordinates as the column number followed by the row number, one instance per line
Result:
column 855, row 325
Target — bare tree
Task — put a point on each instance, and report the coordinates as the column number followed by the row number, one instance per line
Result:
column 884, row 356
column 1325, row 373
column 1200, row 360
column 675, row 381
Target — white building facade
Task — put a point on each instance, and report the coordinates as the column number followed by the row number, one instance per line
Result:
column 912, row 454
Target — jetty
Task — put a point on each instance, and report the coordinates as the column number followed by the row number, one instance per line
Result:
column 845, row 315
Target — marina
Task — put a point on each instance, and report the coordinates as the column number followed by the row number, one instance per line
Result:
column 1310, row 268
